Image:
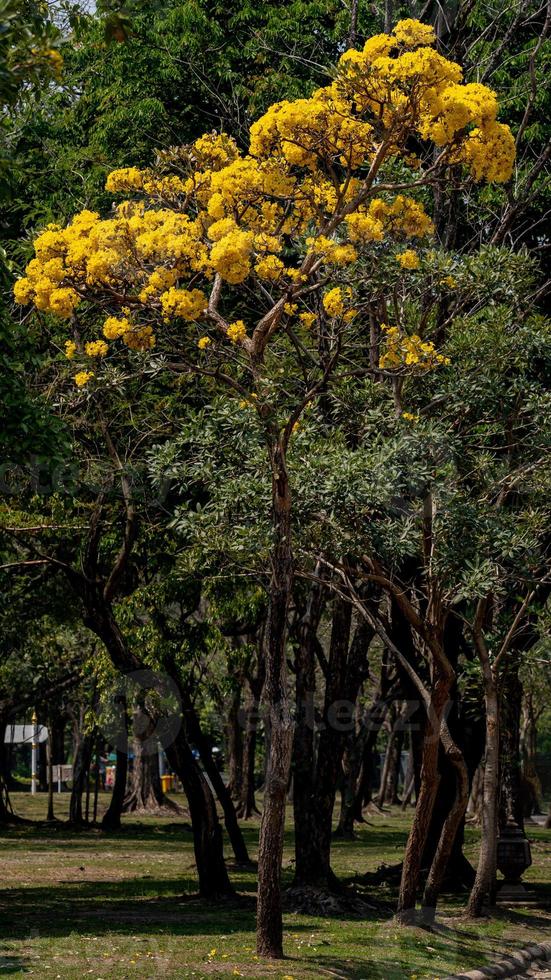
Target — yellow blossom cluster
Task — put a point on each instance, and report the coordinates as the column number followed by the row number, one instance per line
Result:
column 208, row 214
column 335, row 301
column 237, row 331
column 185, row 303
column 269, row 267
column 82, row 378
column 408, row 350
column 96, row 348
column 408, row 259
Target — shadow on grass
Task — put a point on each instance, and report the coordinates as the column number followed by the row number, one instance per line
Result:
column 12, row 964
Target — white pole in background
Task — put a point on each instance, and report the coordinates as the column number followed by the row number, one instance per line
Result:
column 34, row 755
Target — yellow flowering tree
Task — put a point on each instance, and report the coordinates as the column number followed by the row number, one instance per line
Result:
column 219, row 257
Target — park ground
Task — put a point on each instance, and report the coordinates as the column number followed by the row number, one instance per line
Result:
column 84, row 904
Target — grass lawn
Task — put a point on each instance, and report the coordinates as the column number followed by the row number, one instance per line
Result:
column 74, row 905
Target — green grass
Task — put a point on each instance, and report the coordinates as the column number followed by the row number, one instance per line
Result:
column 83, row 904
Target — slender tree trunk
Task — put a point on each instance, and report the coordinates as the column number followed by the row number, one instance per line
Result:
column 81, row 771
column 475, row 799
column 272, row 827
column 246, row 801
column 235, row 746
column 207, row 833
column 112, row 816
column 532, row 784
column 388, row 790
column 195, row 735
column 484, row 885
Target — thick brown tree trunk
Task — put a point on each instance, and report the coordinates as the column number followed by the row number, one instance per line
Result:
column 278, row 718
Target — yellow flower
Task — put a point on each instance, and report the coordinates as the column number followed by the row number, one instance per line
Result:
column 290, row 308
column 124, row 179
column 410, row 417
column 23, row 291
column 96, row 348
column 307, row 319
column 70, row 349
column 203, row 342
column 237, row 331
column 269, row 268
column 187, row 303
column 139, row 338
column 450, row 282
column 334, row 301
column 113, row 328
column 408, row 259
column 82, row 378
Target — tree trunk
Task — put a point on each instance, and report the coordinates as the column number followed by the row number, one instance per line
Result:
column 195, row 735
column 246, row 802
column 484, row 884
column 388, row 791
column 272, row 827
column 442, row 681
column 235, row 746
column 207, row 833
column 532, row 784
column 466, row 730
column 450, row 827
column 112, row 816
column 145, row 793
column 474, row 807
column 81, row 771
